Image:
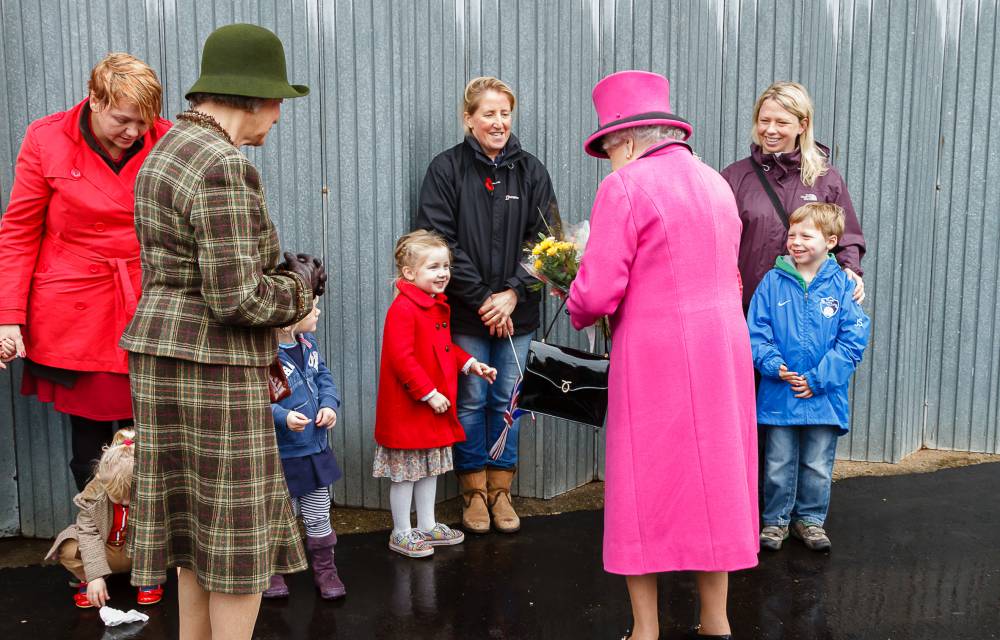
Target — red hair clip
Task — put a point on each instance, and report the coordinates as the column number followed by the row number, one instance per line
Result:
column 128, row 441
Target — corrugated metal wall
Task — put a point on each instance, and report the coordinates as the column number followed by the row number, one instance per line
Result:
column 906, row 95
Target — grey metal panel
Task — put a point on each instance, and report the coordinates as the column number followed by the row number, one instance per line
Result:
column 905, row 95
column 962, row 386
column 10, row 510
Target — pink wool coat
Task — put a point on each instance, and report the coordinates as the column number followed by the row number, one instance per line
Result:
column 681, row 477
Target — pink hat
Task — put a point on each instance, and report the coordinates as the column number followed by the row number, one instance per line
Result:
column 631, row 99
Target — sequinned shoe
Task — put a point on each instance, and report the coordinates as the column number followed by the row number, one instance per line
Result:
column 80, row 597
column 149, row 595
column 410, row 543
column 442, row 535
column 812, row 535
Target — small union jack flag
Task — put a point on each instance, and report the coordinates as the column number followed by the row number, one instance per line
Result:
column 510, row 414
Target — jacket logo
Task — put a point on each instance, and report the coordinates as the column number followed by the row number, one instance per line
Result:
column 314, row 360
column 510, row 197
column 809, row 197
column 783, row 303
column 288, row 369
column 829, row 307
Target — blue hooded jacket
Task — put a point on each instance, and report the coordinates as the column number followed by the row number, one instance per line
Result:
column 816, row 330
column 312, row 389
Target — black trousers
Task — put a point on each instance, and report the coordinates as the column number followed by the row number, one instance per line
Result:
column 88, row 438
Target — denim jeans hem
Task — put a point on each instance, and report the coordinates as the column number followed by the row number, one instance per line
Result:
column 776, row 524
column 809, row 523
column 470, row 470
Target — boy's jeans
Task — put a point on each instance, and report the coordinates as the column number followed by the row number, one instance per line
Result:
column 481, row 405
column 798, row 471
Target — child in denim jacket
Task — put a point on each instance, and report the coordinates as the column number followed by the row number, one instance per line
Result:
column 302, row 422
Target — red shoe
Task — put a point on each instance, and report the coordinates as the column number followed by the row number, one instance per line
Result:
column 80, row 597
column 150, row 595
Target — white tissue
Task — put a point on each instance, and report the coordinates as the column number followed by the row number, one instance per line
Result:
column 114, row 617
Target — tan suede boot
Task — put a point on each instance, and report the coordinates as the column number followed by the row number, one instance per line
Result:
column 475, row 516
column 498, row 481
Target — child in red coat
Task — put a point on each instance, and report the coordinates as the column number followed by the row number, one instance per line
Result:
column 415, row 421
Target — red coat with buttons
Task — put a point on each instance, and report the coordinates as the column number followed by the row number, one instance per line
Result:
column 68, row 247
column 418, row 356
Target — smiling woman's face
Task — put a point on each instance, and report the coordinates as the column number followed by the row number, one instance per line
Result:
column 777, row 128
column 490, row 124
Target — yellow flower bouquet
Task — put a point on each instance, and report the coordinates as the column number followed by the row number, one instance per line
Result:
column 555, row 258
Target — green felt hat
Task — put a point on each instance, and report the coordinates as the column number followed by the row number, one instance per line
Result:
column 245, row 60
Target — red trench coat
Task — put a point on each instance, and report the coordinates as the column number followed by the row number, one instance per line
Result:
column 68, row 247
column 417, row 357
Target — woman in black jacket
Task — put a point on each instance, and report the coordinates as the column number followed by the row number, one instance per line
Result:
column 487, row 196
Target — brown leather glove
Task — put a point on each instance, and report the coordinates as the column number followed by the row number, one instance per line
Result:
column 309, row 268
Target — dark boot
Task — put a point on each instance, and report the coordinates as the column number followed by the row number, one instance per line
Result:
column 324, row 571
column 277, row 588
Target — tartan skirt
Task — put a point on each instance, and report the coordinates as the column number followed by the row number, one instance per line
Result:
column 208, row 492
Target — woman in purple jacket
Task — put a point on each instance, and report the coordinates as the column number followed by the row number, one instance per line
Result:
column 798, row 170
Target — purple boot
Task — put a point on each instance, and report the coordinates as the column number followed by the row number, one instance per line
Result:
column 277, row 588
column 324, row 571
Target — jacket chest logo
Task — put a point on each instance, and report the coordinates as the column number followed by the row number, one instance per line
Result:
column 809, row 197
column 314, row 360
column 288, row 369
column 829, row 306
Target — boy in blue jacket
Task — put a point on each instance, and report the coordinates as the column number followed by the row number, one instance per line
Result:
column 301, row 423
column 807, row 336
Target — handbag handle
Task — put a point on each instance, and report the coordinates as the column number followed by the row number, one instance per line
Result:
column 555, row 316
column 778, row 207
column 604, row 328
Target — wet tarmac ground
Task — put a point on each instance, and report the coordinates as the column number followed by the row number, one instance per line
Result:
column 913, row 557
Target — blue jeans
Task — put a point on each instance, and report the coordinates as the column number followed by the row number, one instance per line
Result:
column 798, row 471
column 481, row 405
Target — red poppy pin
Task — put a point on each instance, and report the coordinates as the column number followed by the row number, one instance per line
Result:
column 489, row 184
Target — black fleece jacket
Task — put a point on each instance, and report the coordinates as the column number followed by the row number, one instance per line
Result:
column 487, row 210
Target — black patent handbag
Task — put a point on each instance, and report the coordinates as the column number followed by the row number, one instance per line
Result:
column 566, row 383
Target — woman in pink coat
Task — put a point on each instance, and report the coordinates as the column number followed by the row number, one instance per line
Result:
column 681, row 475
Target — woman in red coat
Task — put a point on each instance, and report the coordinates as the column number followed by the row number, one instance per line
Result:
column 415, row 420
column 71, row 258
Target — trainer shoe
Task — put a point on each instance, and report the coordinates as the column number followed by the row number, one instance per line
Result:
column 442, row 535
column 410, row 543
column 812, row 535
column 772, row 536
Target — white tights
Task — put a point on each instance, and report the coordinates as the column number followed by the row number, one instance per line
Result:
column 402, row 494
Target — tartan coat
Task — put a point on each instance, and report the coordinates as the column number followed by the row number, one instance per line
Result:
column 418, row 356
column 91, row 531
column 68, row 248
column 211, row 293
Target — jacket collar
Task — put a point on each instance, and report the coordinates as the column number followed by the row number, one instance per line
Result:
column 785, row 162
column 419, row 296
column 785, row 266
column 117, row 186
column 510, row 153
